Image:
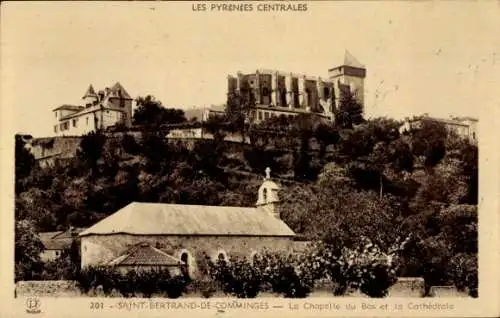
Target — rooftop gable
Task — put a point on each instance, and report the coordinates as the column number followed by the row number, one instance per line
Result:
column 118, row 91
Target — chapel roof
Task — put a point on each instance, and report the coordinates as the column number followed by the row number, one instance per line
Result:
column 139, row 218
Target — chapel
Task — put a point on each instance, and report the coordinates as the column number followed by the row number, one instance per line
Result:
column 177, row 237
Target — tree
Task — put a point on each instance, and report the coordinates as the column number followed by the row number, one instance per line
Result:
column 302, row 129
column 151, row 114
column 238, row 110
column 27, row 251
column 349, row 112
column 429, row 140
column 24, row 162
column 326, row 135
column 91, row 147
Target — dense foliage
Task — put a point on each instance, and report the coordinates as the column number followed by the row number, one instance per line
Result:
column 131, row 283
column 340, row 183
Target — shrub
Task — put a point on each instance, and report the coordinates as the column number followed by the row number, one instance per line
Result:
column 288, row 275
column 146, row 282
column 237, row 277
column 364, row 267
column 464, row 271
column 176, row 286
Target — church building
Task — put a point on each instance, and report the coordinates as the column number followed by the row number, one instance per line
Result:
column 178, row 237
column 276, row 93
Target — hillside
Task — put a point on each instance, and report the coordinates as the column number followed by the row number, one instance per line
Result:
column 338, row 184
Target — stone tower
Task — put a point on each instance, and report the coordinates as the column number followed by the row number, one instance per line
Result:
column 90, row 97
column 348, row 77
column 268, row 199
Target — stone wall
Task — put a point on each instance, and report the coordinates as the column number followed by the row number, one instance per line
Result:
column 446, row 292
column 100, row 249
column 408, row 287
column 47, row 150
column 47, row 288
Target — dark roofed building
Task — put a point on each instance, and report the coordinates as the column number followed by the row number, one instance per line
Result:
column 54, row 243
column 145, row 256
column 189, row 233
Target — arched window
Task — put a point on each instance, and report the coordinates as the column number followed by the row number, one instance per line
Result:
column 185, row 264
column 283, row 97
column 264, row 194
column 326, row 92
column 308, row 97
column 265, row 91
column 220, row 257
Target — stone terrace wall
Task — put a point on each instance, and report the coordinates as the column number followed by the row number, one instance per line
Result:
column 405, row 287
column 408, row 287
column 47, row 288
column 446, row 292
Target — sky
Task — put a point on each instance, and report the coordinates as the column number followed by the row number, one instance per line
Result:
column 440, row 58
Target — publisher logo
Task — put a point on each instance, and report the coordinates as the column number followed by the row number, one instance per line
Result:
column 33, row 305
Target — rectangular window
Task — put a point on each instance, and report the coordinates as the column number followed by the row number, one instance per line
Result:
column 266, row 115
column 74, row 122
column 55, row 128
column 55, row 114
column 87, row 118
column 260, row 115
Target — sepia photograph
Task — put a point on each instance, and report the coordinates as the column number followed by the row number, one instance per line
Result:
column 284, row 157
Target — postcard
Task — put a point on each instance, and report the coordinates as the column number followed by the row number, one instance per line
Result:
column 250, row 158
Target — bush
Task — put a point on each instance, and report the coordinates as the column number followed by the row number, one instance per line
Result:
column 364, row 267
column 464, row 271
column 237, row 277
column 176, row 286
column 145, row 282
column 288, row 275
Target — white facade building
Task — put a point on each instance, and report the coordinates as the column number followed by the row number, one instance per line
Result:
column 101, row 110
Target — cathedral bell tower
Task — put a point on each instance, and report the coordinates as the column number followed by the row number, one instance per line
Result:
column 268, row 199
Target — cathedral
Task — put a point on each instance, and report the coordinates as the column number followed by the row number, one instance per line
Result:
column 276, row 93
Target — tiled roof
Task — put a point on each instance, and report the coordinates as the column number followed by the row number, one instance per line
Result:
column 57, row 240
column 175, row 219
column 145, row 254
column 91, row 109
column 69, row 107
